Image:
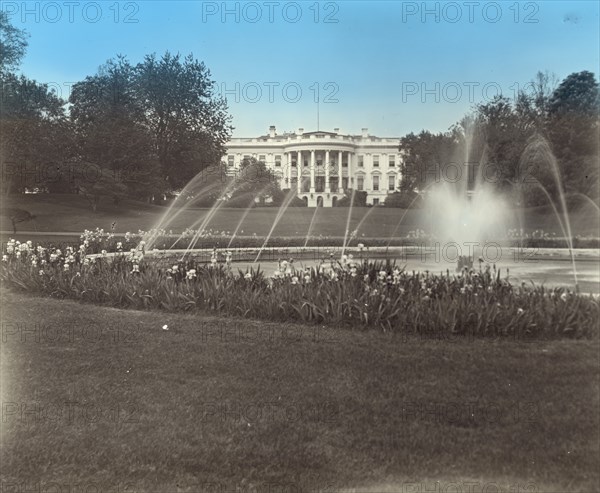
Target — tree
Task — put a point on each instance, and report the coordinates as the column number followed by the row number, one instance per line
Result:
column 188, row 121
column 13, row 44
column 94, row 190
column 573, row 124
column 17, row 216
column 254, row 179
column 505, row 136
column 111, row 132
column 531, row 104
column 424, row 157
column 32, row 121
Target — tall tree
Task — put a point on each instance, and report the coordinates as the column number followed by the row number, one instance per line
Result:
column 13, row 44
column 573, row 125
column 112, row 135
column 34, row 134
column 188, row 120
column 425, row 158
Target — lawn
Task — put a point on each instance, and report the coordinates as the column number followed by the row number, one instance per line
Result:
column 106, row 398
column 72, row 213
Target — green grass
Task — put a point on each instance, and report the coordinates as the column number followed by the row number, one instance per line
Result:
column 72, row 213
column 356, row 392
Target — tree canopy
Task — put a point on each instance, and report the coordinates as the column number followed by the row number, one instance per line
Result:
column 521, row 143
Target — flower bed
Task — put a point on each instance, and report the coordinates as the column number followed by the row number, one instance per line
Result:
column 350, row 292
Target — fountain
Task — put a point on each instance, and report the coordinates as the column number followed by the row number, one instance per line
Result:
column 464, row 210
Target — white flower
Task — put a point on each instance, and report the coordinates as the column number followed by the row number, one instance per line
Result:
column 306, row 278
column 41, row 272
column 191, row 273
column 295, row 280
column 66, row 267
column 165, row 327
column 4, row 258
column 563, row 296
column 361, row 246
column 136, row 268
column 520, row 311
column 175, row 268
column 248, row 276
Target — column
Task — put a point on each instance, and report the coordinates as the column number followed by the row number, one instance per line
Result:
column 350, row 170
column 312, row 171
column 340, row 171
column 286, row 170
column 299, row 171
column 327, row 171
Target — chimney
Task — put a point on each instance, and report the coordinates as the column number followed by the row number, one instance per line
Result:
column 365, row 132
column 336, row 130
column 300, row 131
column 272, row 131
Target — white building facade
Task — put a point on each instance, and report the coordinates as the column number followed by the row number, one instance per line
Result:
column 321, row 166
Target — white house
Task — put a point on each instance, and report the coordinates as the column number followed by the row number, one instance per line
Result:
column 321, row 165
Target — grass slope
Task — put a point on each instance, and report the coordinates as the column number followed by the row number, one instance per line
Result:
column 215, row 405
column 72, row 213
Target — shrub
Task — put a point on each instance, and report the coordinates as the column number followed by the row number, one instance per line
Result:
column 403, row 200
column 360, row 199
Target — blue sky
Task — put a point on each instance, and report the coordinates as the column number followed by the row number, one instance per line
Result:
column 391, row 66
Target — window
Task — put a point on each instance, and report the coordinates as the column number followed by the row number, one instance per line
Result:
column 392, row 183
column 375, row 201
column 360, row 183
column 230, row 161
column 376, row 183
column 262, row 158
column 306, row 163
column 392, row 161
column 361, row 161
column 344, row 164
column 345, row 183
column 294, row 163
column 278, row 160
column 376, row 160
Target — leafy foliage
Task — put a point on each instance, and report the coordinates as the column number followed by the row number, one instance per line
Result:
column 546, row 135
column 13, row 44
